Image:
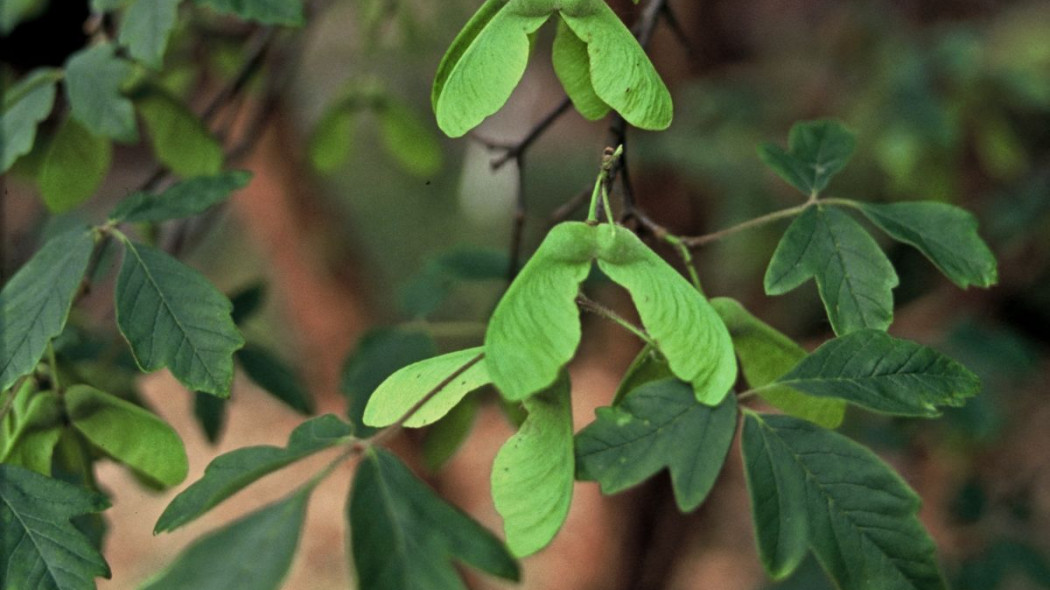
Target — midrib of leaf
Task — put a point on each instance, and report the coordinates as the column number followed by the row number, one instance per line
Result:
column 847, row 276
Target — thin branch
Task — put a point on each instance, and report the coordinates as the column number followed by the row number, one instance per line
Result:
column 588, row 304
column 676, row 27
column 515, row 150
column 517, row 230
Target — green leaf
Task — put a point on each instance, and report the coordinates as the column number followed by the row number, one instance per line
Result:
column 16, row 12
column 532, row 475
column 404, row 537
column 445, row 436
column 210, row 412
column 231, row 472
column 183, row 199
column 180, row 139
column 37, row 423
column 128, row 433
column 410, row 385
column 536, row 326
column 74, row 166
column 253, row 553
column 658, row 425
column 268, row 12
column 145, row 29
column 26, row 104
column 876, row 371
column 332, row 138
column 684, row 325
column 766, row 354
column 39, row 548
column 817, row 151
column 94, row 77
column 815, row 488
column 272, row 374
column 854, row 277
column 35, row 302
column 945, row 234
column 573, row 68
column 648, row 366
column 379, row 355
column 173, row 317
column 408, row 139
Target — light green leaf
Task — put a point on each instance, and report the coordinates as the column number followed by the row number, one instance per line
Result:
column 766, row 354
column 128, row 433
column 74, row 166
column 410, row 385
column 404, row 537
column 408, row 140
column 273, row 375
column 445, row 436
column 946, row 234
column 854, row 277
column 876, row 371
column 145, row 29
column 252, row 553
column 37, row 422
column 173, row 317
column 814, row 487
column 536, row 326
column 39, row 547
column 817, row 151
column 268, row 12
column 183, row 199
column 35, row 302
column 532, row 475
column 179, row 138
column 231, row 472
column 25, row 104
column 658, row 425
column 684, row 325
column 573, row 68
column 94, row 77
column 332, row 138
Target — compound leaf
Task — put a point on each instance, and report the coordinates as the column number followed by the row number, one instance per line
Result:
column 573, row 68
column 272, row 374
column 814, row 488
column 74, row 165
column 267, row 12
column 39, row 547
column 231, row 472
column 404, row 537
column 180, row 139
column 173, row 317
column 658, row 425
column 94, row 77
column 35, row 303
column 182, row 199
column 817, row 151
column 874, row 370
column 145, row 29
column 853, row 276
column 25, row 104
column 532, row 476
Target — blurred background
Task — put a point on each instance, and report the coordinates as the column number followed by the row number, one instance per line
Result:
column 363, row 224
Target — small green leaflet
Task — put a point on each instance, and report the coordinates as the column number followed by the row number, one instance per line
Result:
column 74, row 166
column 128, row 433
column 946, row 234
column 183, row 199
column 272, row 374
column 332, row 138
column 180, row 139
column 39, row 548
column 36, row 421
column 446, row 378
column 173, row 317
column 253, row 553
column 813, row 488
column 876, row 371
column 817, row 150
column 16, row 12
column 854, row 277
column 35, row 302
column 766, row 354
column 658, row 425
column 94, row 78
column 404, row 537
column 573, row 68
column 231, row 472
column 648, row 366
column 25, row 105
column 145, row 29
column 411, row 142
column 532, row 476
column 267, row 12
column 445, row 436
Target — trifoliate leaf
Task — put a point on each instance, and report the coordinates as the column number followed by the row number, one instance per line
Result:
column 231, row 472
column 179, row 138
column 532, row 475
column 407, row 139
column 573, row 68
column 36, row 422
column 128, row 433
column 874, row 370
column 817, row 151
column 25, row 105
column 39, row 547
column 35, row 303
column 658, row 425
column 853, row 276
column 766, row 354
column 814, row 488
column 272, row 374
column 94, row 77
column 946, row 234
column 173, row 317
column 145, row 29
column 74, row 166
column 267, row 12
column 405, row 538
column 183, row 199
